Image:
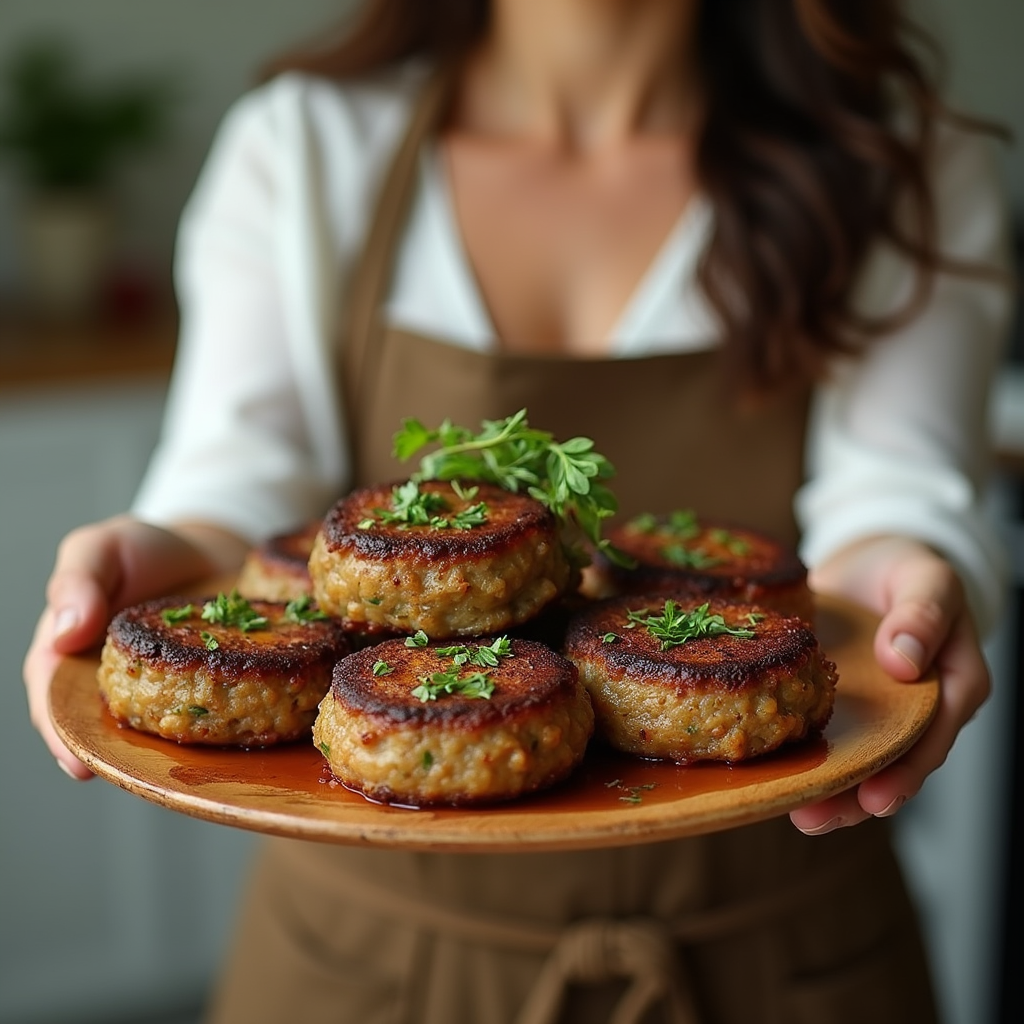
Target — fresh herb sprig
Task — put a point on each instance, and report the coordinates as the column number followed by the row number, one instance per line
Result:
column 564, row 476
column 674, row 626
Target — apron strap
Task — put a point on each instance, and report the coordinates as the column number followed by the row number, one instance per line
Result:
column 373, row 272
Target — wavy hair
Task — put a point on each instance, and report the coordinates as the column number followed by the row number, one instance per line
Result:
column 801, row 154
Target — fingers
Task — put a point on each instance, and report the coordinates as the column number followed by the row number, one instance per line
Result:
column 86, row 573
column 964, row 685
column 39, row 667
column 924, row 599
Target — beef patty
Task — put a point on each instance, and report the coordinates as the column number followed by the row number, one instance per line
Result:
column 481, row 560
column 747, row 679
column 164, row 669
column 420, row 723
column 677, row 552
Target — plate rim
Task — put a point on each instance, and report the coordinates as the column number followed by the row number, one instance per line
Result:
column 504, row 827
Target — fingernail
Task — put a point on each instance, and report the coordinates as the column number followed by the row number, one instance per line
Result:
column 892, row 808
column 910, row 649
column 64, row 621
column 819, row 830
column 66, row 770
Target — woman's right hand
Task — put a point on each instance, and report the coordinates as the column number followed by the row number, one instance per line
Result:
column 100, row 569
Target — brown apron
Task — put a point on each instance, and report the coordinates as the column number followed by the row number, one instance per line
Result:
column 759, row 924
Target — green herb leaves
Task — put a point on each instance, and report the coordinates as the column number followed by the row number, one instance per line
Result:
column 233, row 610
column 563, row 476
column 674, row 627
column 688, row 544
column 301, row 609
column 474, row 684
column 411, row 506
column 453, row 681
column 174, row 616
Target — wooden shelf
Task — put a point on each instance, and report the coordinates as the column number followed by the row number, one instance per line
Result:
column 35, row 353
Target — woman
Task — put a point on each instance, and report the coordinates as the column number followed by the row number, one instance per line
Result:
column 690, row 231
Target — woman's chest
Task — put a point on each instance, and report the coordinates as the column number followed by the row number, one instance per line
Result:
column 559, row 243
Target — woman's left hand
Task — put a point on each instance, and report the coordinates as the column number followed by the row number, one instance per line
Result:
column 925, row 624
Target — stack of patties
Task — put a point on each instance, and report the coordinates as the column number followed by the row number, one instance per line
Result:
column 678, row 552
column 419, row 719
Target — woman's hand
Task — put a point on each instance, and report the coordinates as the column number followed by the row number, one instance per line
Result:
column 99, row 570
column 925, row 624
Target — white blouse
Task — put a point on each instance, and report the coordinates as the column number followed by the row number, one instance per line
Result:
column 254, row 436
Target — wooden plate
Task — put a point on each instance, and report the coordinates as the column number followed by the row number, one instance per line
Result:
column 611, row 800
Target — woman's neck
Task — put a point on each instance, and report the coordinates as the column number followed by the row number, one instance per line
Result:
column 583, row 74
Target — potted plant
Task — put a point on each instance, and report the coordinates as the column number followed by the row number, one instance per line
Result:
column 67, row 140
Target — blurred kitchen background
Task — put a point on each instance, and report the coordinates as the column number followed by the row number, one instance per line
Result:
column 114, row 911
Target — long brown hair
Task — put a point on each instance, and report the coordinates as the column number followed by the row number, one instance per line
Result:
column 800, row 156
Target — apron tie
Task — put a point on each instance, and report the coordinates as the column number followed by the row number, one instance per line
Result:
column 643, row 950
column 598, row 950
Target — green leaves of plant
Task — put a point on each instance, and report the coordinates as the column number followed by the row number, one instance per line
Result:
column 564, row 476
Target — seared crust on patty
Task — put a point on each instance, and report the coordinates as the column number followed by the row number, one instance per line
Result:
column 443, row 580
column 278, row 569
column 723, row 698
column 253, row 689
column 678, row 552
column 385, row 742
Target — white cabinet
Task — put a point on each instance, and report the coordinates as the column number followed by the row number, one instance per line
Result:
column 110, row 908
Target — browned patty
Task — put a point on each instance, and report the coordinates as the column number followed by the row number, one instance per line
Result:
column 385, row 742
column 254, row 689
column 676, row 552
column 445, row 581
column 724, row 698
column 278, row 569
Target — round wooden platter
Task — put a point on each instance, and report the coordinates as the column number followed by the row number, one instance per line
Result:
column 611, row 799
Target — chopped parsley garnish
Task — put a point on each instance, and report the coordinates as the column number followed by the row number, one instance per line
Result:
column 474, row 684
column 326, row 749
column 382, row 668
column 233, row 610
column 680, row 523
column 484, row 655
column 632, row 794
column 197, row 710
column 173, row 616
column 609, row 638
column 302, row 609
column 411, row 506
column 689, row 558
column 673, row 626
column 209, row 641
column 734, row 544
column 427, row 760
